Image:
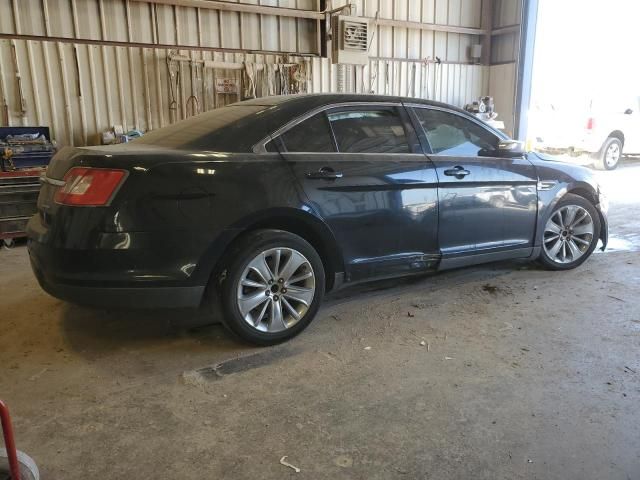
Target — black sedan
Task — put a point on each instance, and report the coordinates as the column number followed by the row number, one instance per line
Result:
column 271, row 202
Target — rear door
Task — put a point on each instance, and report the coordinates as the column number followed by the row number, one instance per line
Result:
column 631, row 129
column 487, row 204
column 363, row 171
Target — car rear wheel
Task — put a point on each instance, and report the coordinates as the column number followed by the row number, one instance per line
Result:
column 609, row 155
column 272, row 287
column 570, row 233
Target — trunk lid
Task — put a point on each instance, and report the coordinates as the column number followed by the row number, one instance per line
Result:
column 123, row 156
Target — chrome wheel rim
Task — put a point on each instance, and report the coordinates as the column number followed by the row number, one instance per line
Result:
column 612, row 155
column 568, row 234
column 276, row 290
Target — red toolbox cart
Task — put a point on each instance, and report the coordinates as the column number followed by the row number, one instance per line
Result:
column 24, row 153
column 18, row 199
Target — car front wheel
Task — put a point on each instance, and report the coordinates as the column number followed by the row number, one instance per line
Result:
column 570, row 233
column 272, row 287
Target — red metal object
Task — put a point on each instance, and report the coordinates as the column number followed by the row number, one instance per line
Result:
column 26, row 172
column 9, row 442
column 590, row 123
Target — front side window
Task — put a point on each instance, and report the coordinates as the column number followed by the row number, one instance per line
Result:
column 451, row 134
column 311, row 135
column 369, row 131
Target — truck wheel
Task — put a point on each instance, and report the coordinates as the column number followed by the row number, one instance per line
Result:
column 609, row 155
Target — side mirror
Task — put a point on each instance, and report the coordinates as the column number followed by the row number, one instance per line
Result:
column 504, row 149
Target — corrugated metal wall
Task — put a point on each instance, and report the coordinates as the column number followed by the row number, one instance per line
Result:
column 83, row 66
column 506, row 14
column 504, row 58
column 398, row 55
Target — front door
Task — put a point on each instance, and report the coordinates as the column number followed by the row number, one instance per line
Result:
column 487, row 204
column 364, row 174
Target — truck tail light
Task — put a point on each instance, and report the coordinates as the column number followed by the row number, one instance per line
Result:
column 90, row 187
column 590, row 123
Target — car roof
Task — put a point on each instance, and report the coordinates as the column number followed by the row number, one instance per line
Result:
column 260, row 118
column 312, row 100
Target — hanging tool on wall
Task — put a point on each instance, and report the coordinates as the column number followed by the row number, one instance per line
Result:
column 193, row 98
column 174, row 80
column 424, row 91
column 374, row 76
column 437, row 78
column 21, row 100
column 298, row 78
column 283, row 76
column 250, row 72
column 411, row 90
column 386, row 78
column 269, row 78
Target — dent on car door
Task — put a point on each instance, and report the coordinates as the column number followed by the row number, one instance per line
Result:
column 487, row 204
column 363, row 172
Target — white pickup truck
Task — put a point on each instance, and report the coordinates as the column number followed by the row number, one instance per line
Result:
column 604, row 134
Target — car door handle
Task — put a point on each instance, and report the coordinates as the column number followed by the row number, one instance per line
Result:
column 325, row 173
column 458, row 172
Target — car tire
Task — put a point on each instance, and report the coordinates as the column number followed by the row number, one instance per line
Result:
column 28, row 468
column 570, row 233
column 292, row 294
column 609, row 155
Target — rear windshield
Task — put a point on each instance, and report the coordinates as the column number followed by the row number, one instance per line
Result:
column 194, row 131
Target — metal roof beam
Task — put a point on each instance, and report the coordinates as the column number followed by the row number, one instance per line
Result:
column 311, row 14
column 241, row 7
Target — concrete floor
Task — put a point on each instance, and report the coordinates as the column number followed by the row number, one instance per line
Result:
column 524, row 374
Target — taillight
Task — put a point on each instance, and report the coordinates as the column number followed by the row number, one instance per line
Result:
column 590, row 123
column 89, row 187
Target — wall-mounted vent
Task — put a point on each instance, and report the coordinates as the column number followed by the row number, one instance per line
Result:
column 350, row 40
column 355, row 35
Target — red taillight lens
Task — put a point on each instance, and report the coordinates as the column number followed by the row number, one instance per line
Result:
column 590, row 123
column 89, row 187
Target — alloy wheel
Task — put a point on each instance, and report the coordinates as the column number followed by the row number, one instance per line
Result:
column 568, row 234
column 276, row 289
column 612, row 155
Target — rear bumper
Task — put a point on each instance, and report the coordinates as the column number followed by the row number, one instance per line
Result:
column 118, row 297
column 153, row 271
column 115, row 297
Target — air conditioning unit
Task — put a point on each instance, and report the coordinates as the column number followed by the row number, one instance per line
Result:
column 350, row 40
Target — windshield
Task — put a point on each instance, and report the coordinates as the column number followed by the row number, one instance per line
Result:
column 194, row 130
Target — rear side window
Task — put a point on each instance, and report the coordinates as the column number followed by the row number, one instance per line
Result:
column 311, row 135
column 369, row 131
column 451, row 134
